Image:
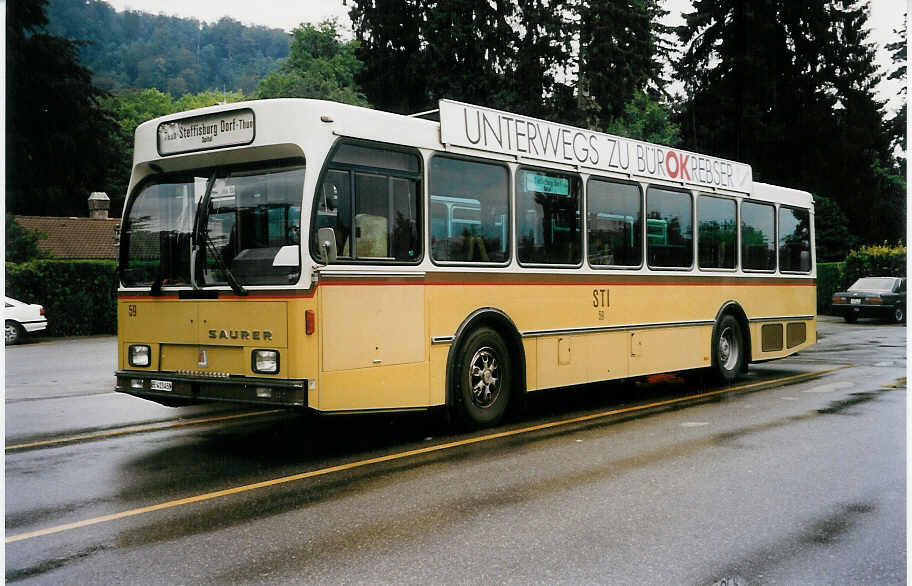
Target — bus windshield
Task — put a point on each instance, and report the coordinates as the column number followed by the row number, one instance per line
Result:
column 249, row 227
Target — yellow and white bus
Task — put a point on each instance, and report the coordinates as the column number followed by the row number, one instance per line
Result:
column 316, row 255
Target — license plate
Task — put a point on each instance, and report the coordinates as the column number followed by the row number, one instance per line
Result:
column 161, row 385
column 855, row 301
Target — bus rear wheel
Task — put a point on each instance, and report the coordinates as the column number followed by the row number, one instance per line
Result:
column 482, row 378
column 728, row 349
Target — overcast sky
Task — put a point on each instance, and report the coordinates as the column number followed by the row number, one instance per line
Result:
column 886, row 15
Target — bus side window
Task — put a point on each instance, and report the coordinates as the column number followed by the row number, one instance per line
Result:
column 669, row 227
column 758, row 236
column 372, row 207
column 369, row 197
column 615, row 222
column 403, row 235
column 717, row 234
column 469, row 204
column 549, row 227
column 794, row 240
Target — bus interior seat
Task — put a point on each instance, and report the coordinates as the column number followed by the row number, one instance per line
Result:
column 371, row 236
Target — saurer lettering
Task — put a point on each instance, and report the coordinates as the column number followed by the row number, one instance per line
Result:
column 264, row 335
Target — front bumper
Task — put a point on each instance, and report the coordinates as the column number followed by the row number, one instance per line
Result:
column 188, row 390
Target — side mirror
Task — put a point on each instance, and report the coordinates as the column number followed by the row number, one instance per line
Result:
column 326, row 244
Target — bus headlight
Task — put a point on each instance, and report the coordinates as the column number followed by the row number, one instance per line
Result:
column 265, row 361
column 140, row 355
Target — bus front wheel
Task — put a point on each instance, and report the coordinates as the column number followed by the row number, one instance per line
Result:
column 728, row 349
column 482, row 378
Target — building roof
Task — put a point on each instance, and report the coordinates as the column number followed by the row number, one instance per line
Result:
column 75, row 238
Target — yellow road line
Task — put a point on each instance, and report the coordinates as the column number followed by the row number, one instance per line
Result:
column 401, row 455
column 137, row 429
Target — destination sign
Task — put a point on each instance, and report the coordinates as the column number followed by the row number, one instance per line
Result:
column 547, row 184
column 501, row 132
column 210, row 131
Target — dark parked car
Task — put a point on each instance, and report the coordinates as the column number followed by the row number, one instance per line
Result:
column 883, row 297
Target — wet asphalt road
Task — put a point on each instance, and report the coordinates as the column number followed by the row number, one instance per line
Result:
column 797, row 483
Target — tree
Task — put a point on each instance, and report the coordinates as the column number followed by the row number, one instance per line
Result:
column 898, row 55
column 788, row 87
column 645, row 118
column 509, row 54
column 467, row 47
column 205, row 99
column 578, row 62
column 535, row 76
column 320, row 65
column 133, row 107
column 732, row 70
column 621, row 47
column 832, row 239
column 390, row 44
column 867, row 183
column 21, row 243
column 57, row 143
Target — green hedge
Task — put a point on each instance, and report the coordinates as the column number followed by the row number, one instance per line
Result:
column 79, row 297
column 875, row 261
column 830, row 278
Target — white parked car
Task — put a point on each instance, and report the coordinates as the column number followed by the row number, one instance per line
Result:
column 22, row 318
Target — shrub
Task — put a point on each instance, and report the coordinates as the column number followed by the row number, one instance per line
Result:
column 875, row 261
column 830, row 278
column 79, row 297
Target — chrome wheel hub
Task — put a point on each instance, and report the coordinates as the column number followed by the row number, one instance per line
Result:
column 728, row 349
column 484, row 377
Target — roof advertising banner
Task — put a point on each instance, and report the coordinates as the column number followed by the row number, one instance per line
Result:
column 490, row 130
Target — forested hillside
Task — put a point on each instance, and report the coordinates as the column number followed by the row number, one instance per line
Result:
column 175, row 55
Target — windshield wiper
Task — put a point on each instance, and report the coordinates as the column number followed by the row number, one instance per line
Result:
column 201, row 229
column 229, row 276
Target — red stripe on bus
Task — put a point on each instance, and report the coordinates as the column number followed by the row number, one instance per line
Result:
column 375, row 281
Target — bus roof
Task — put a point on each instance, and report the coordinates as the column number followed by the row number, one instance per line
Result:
column 783, row 195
